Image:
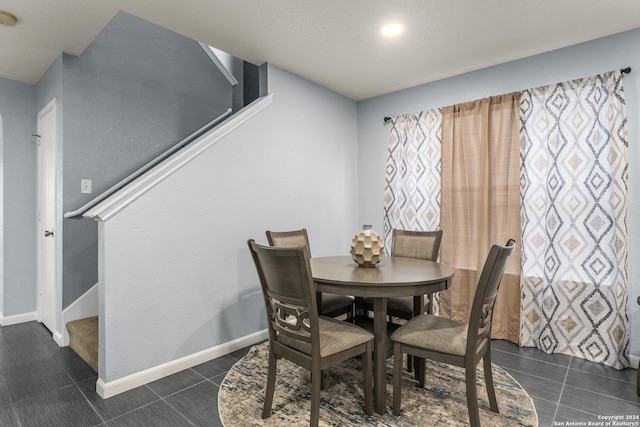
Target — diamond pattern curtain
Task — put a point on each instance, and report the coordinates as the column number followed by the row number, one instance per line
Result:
column 573, row 150
column 574, row 192
column 412, row 189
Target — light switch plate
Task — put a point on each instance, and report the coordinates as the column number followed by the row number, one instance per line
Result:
column 85, row 186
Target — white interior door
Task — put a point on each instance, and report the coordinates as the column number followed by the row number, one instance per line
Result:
column 47, row 216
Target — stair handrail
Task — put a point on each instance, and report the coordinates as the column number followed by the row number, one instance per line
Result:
column 218, row 63
column 77, row 214
column 136, row 189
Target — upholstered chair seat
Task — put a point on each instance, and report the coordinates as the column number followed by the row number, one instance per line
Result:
column 438, row 333
column 402, row 304
column 335, row 336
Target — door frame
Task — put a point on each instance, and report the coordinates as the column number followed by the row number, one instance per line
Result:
column 50, row 108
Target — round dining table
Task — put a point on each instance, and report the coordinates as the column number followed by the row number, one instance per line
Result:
column 392, row 277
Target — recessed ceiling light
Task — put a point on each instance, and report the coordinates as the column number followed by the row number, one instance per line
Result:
column 7, row 19
column 391, row 30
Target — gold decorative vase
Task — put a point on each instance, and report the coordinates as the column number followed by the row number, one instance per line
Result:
column 367, row 249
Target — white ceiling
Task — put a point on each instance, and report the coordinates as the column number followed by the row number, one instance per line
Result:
column 335, row 43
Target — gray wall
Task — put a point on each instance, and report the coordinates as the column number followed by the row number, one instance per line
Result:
column 18, row 198
column 49, row 87
column 292, row 165
column 610, row 53
column 137, row 90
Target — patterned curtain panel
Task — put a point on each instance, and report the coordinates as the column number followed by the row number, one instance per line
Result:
column 574, row 193
column 412, row 189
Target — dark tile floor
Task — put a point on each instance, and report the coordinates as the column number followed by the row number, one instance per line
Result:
column 567, row 389
column 42, row 384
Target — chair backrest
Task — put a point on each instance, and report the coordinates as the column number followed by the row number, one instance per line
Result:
column 486, row 293
column 289, row 238
column 289, row 293
column 416, row 244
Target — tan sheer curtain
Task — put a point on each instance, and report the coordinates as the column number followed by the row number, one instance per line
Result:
column 481, row 204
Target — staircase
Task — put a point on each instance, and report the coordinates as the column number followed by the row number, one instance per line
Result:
column 83, row 339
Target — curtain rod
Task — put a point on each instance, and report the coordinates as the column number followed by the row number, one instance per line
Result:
column 626, row 70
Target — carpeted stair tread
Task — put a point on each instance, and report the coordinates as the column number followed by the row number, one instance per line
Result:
column 83, row 339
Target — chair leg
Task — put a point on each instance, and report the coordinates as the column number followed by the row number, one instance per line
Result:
column 323, row 382
column 488, row 379
column 353, row 313
column 419, row 367
column 397, row 377
column 409, row 363
column 316, row 380
column 472, row 395
column 367, row 374
column 271, row 384
column 638, row 382
column 359, row 309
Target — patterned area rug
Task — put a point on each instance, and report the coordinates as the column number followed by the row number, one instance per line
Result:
column 442, row 402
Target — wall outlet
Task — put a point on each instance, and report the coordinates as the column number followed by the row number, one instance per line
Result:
column 85, row 186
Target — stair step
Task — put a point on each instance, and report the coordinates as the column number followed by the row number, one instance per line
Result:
column 83, row 339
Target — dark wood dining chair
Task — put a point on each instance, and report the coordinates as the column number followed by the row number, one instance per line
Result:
column 296, row 331
column 457, row 343
column 331, row 305
column 410, row 244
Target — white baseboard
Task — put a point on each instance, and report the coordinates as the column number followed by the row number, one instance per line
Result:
column 635, row 361
column 57, row 338
column 112, row 388
column 83, row 307
column 17, row 318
